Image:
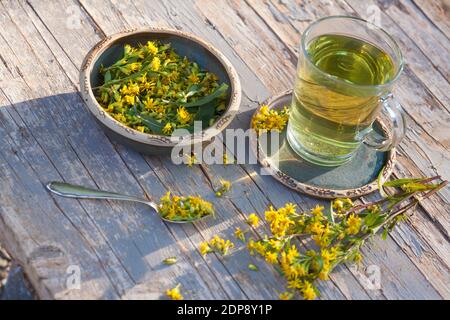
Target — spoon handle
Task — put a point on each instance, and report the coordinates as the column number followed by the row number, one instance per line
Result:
column 73, row 191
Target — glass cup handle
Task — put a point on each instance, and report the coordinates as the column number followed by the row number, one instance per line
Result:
column 393, row 126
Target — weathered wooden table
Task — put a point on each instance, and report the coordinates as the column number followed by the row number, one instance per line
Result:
column 47, row 134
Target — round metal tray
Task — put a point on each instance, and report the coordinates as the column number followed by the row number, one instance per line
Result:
column 353, row 179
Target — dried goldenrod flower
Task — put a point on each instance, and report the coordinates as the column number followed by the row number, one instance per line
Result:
column 286, row 295
column 221, row 245
column 308, row 291
column 253, row 220
column 353, row 224
column 270, row 119
column 175, row 293
column 225, row 186
column 271, row 257
column 238, row 233
column 216, row 244
column 191, row 160
column 205, row 248
column 226, row 160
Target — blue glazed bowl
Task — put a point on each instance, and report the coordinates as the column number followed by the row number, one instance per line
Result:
column 110, row 49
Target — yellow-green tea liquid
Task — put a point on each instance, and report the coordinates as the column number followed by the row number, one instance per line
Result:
column 335, row 100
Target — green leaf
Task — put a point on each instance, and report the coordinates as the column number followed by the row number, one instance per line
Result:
column 330, row 213
column 170, row 261
column 413, row 187
column 205, row 114
column 278, row 269
column 400, row 182
column 151, row 123
column 131, row 77
column 319, row 261
column 107, row 76
column 384, row 234
column 193, row 90
column 207, row 99
column 253, row 267
column 381, row 183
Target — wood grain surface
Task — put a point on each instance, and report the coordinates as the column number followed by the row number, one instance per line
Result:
column 48, row 134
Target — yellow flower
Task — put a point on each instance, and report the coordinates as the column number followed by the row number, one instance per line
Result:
column 226, row 160
column 292, row 253
column 224, row 188
column 290, row 208
column 308, row 291
column 358, row 257
column 324, row 274
column 295, row 283
column 155, row 64
column 279, row 220
column 152, row 48
column 168, row 128
column 193, row 78
column 316, row 227
column 134, row 89
column 120, row 117
column 253, row 220
column 129, row 99
column 256, row 246
column 353, row 224
column 275, row 244
column 268, row 119
column 140, row 128
column 338, row 205
column 328, row 255
column 221, row 245
column 317, row 211
column 183, row 115
column 251, row 246
column 238, row 233
column 175, row 293
column 271, row 257
column 191, row 160
column 286, row 296
column 348, row 202
column 204, row 248
column 134, row 66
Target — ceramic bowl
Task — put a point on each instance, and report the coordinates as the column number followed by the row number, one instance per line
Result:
column 110, row 49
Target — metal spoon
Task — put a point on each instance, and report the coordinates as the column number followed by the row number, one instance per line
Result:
column 73, row 191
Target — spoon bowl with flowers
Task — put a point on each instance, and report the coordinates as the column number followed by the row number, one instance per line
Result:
column 172, row 209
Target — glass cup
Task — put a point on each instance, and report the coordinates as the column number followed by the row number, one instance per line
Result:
column 346, row 70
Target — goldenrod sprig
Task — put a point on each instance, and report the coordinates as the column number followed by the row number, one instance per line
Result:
column 332, row 238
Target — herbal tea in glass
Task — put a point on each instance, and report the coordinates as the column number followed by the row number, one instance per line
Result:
column 342, row 83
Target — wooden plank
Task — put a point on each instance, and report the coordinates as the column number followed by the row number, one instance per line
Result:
column 438, row 12
column 418, row 27
column 152, row 176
